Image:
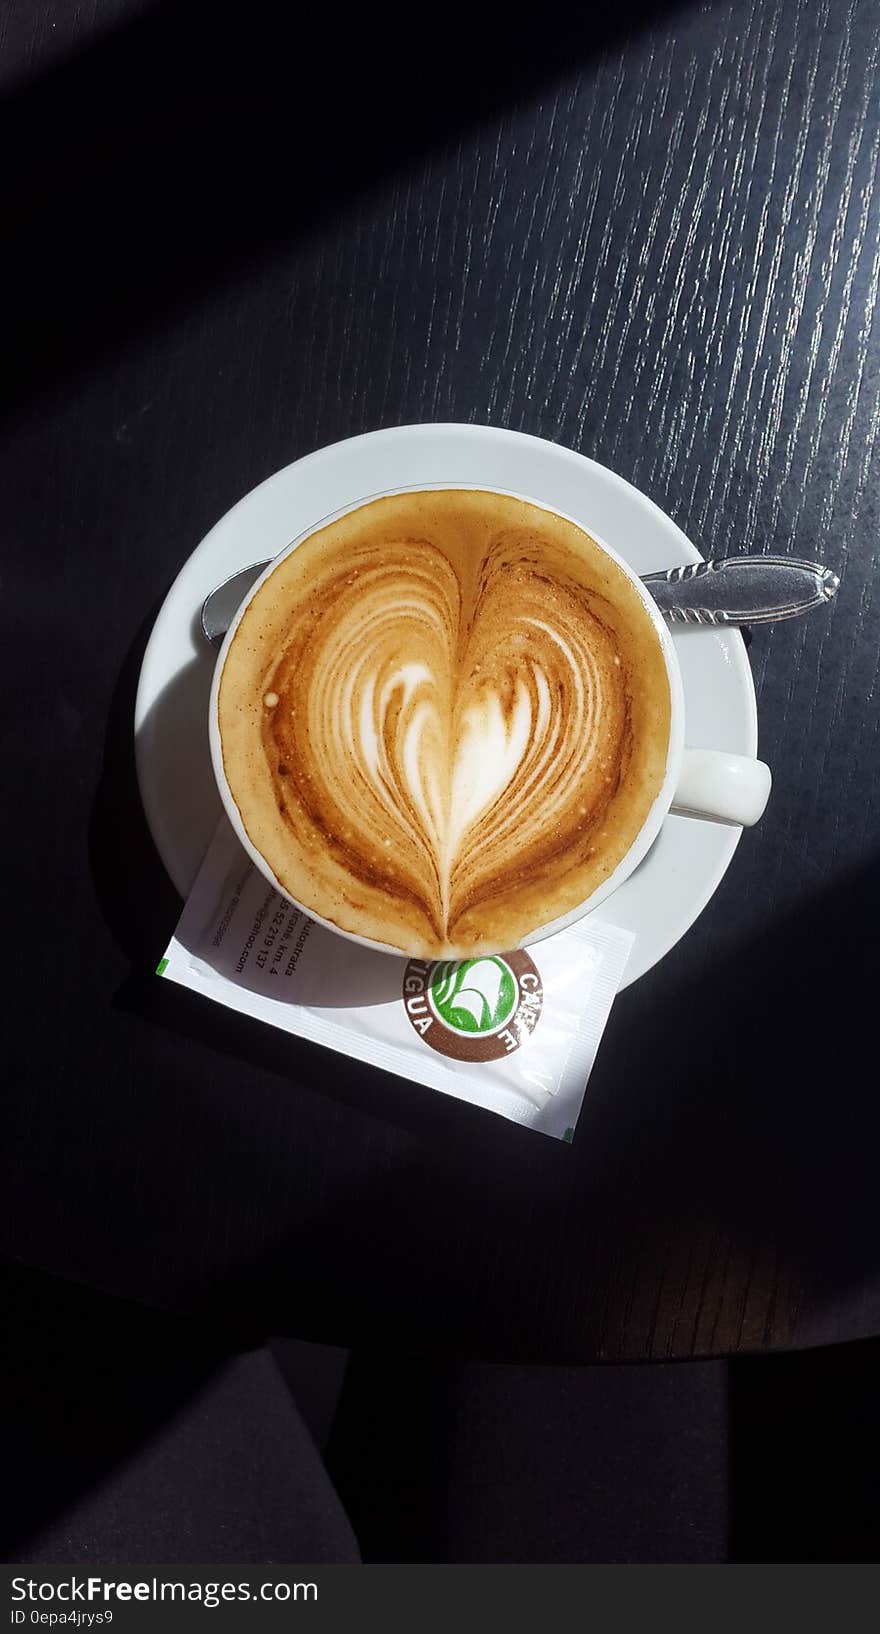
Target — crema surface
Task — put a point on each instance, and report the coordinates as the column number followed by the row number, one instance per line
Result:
column 444, row 720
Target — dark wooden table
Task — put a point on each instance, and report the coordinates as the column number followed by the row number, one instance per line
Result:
column 654, row 236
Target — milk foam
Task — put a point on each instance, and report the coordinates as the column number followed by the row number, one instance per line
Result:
column 452, row 716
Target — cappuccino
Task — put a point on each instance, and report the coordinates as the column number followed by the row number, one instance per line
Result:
column 444, row 720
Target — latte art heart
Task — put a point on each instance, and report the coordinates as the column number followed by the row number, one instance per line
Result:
column 441, row 716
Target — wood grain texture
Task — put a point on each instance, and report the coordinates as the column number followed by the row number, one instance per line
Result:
column 655, row 238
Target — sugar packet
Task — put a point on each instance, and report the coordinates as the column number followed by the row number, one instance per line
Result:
column 516, row 1034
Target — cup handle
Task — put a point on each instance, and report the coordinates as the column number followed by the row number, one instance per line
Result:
column 725, row 788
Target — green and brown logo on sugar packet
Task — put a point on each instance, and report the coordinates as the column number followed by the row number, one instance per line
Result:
column 474, row 1009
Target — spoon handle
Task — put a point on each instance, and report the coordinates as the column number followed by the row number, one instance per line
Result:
column 741, row 590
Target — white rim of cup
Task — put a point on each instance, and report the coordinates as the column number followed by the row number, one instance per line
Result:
column 653, row 823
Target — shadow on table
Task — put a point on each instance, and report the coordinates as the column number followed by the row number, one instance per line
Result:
column 182, row 147
column 137, row 900
column 719, row 1195
column 738, row 1114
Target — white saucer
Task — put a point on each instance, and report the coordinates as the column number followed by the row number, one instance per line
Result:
column 661, row 900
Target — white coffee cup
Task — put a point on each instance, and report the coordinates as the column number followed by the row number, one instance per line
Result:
column 701, row 783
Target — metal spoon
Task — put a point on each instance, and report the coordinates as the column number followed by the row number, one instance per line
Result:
column 735, row 590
